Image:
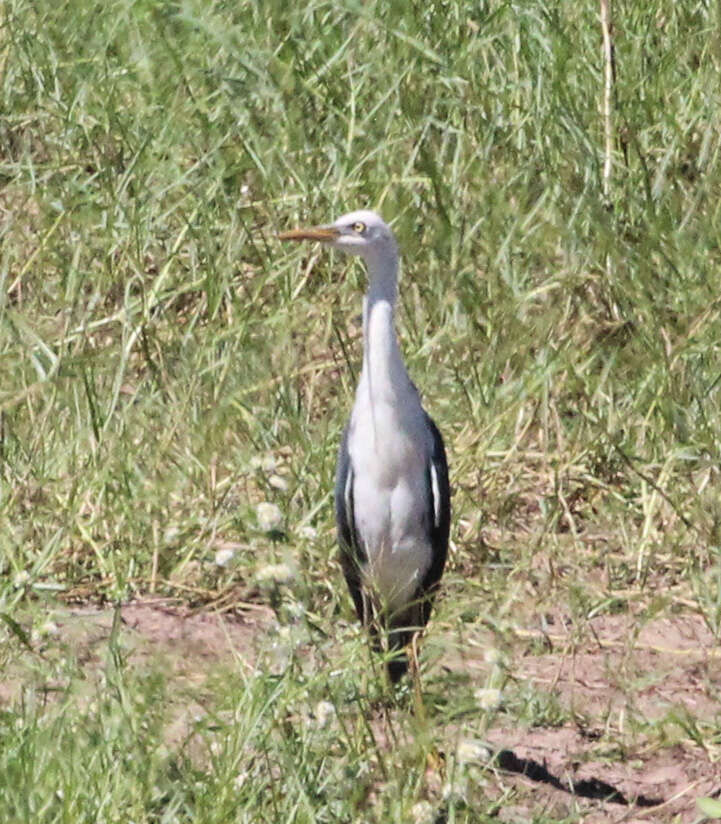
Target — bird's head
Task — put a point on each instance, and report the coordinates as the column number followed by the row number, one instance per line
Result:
column 361, row 233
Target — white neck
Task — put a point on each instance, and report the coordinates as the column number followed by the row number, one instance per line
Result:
column 384, row 375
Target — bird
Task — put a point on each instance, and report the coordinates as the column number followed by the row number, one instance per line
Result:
column 392, row 493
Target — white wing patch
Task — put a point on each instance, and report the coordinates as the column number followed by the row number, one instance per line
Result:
column 436, row 495
column 347, row 497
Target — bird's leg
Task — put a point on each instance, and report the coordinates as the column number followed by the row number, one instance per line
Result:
column 369, row 622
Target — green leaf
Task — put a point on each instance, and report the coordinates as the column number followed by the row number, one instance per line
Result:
column 710, row 807
column 16, row 630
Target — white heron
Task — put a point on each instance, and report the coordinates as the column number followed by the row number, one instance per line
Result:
column 392, row 497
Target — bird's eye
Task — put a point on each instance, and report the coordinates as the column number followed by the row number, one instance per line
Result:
column 359, row 228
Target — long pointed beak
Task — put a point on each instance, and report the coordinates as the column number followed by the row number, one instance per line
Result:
column 323, row 233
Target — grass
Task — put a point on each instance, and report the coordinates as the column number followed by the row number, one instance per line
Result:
column 165, row 366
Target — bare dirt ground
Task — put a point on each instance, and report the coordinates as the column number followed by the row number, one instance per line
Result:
column 664, row 679
column 622, row 686
column 188, row 645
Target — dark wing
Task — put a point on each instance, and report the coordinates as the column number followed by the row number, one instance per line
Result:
column 439, row 522
column 351, row 552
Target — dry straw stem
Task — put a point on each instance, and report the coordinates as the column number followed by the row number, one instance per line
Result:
column 609, row 75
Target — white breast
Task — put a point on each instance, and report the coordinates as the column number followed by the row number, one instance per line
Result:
column 389, row 456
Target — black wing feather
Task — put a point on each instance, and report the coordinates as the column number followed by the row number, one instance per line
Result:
column 351, row 552
column 439, row 522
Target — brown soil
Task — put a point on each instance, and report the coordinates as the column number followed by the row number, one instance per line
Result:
column 620, row 685
column 185, row 643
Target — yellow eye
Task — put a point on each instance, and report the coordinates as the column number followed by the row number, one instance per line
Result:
column 359, row 227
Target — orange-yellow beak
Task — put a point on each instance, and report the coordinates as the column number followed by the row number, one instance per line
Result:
column 323, row 233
